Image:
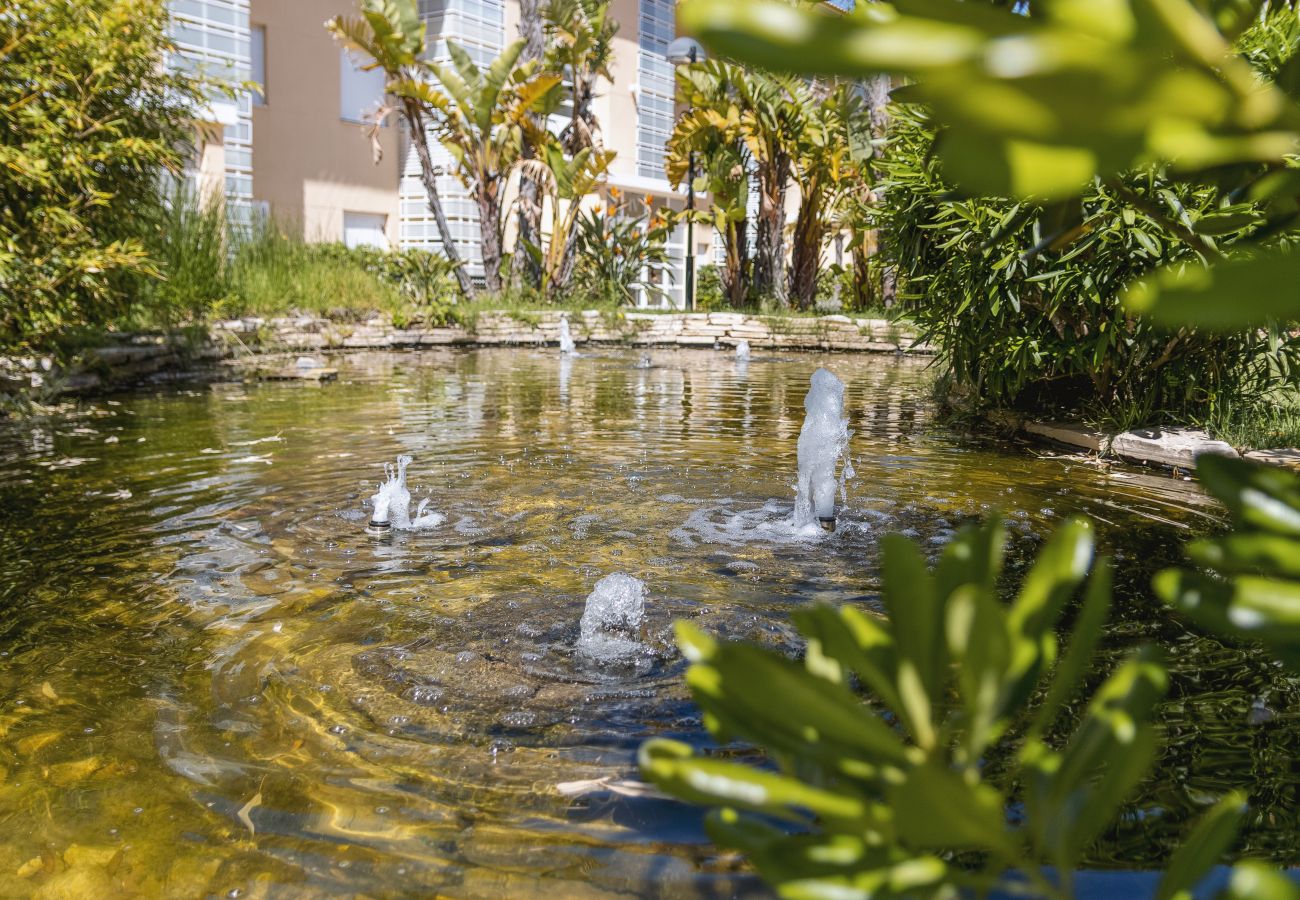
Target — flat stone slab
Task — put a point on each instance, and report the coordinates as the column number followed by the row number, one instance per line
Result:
column 293, row 373
column 1281, row 457
column 1175, row 447
column 1168, row 446
column 1070, row 435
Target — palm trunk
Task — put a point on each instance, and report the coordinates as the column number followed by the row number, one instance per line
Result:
column 733, row 276
column 429, row 178
column 489, row 217
column 809, row 229
column 769, row 261
column 523, row 268
column 570, row 258
column 878, row 88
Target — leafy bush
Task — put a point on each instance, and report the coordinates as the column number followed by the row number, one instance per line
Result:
column 88, row 119
column 708, row 289
column 929, row 754
column 1024, row 299
column 621, row 251
column 899, row 792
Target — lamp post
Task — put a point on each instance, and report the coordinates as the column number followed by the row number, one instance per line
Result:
column 682, row 52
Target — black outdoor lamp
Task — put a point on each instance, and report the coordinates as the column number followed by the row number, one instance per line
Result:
column 681, row 52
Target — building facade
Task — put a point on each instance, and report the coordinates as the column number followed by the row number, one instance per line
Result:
column 300, row 148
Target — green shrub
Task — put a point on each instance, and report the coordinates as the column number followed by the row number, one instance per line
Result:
column 930, row 753
column 1024, row 300
column 89, row 118
column 708, row 289
column 619, row 254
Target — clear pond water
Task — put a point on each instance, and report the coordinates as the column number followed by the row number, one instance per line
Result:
column 213, row 682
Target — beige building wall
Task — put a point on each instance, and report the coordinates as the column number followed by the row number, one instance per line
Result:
column 309, row 165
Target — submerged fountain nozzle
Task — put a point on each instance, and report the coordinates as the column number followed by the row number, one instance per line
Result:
column 379, row 523
column 826, row 522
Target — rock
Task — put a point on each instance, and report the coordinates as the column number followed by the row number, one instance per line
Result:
column 77, row 883
column 1280, row 457
column 1168, row 446
column 1070, row 435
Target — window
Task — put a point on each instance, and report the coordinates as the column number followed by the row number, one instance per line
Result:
column 257, row 51
column 655, row 106
column 365, row 230
column 360, row 92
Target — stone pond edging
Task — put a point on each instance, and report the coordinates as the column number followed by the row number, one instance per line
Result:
column 130, row 359
column 1176, row 448
column 834, row 332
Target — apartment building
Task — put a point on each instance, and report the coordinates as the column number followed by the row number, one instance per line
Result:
column 298, row 148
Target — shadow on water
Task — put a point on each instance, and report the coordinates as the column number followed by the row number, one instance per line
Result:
column 213, row 680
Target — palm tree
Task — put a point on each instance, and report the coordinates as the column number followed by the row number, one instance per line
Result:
column 724, row 176
column 529, row 213
column 831, row 156
column 566, row 180
column 481, row 118
column 582, row 47
column 391, row 34
column 766, row 111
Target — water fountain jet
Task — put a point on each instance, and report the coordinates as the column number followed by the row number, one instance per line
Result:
column 611, row 620
column 391, row 504
column 742, row 352
column 566, row 339
column 823, row 441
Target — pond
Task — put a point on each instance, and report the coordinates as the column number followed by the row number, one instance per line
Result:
column 214, row 681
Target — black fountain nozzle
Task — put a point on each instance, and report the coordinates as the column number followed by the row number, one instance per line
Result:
column 378, row 528
column 826, row 522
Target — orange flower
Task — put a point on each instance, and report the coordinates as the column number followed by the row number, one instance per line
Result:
column 610, row 210
column 615, row 193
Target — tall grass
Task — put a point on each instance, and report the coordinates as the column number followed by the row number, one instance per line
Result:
column 185, row 234
column 274, row 272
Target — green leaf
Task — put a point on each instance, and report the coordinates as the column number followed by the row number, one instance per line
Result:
column 1257, row 881
column 1203, row 848
column 1258, row 496
column 1243, row 292
column 1246, row 607
column 673, row 766
column 915, row 610
column 856, row 641
column 1249, row 552
column 1060, row 567
column 1086, row 632
column 768, row 699
column 983, row 163
column 935, row 807
column 1073, row 800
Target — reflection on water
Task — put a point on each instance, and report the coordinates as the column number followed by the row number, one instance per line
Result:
column 213, row 680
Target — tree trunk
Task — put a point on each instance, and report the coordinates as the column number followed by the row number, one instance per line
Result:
column 489, row 217
column 878, row 88
column 523, row 268
column 733, row 276
column 806, row 252
column 570, row 258
column 769, row 257
column 429, row 178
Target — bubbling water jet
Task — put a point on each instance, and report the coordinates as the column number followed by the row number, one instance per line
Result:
column 391, row 504
column 823, row 440
column 742, row 351
column 612, row 619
